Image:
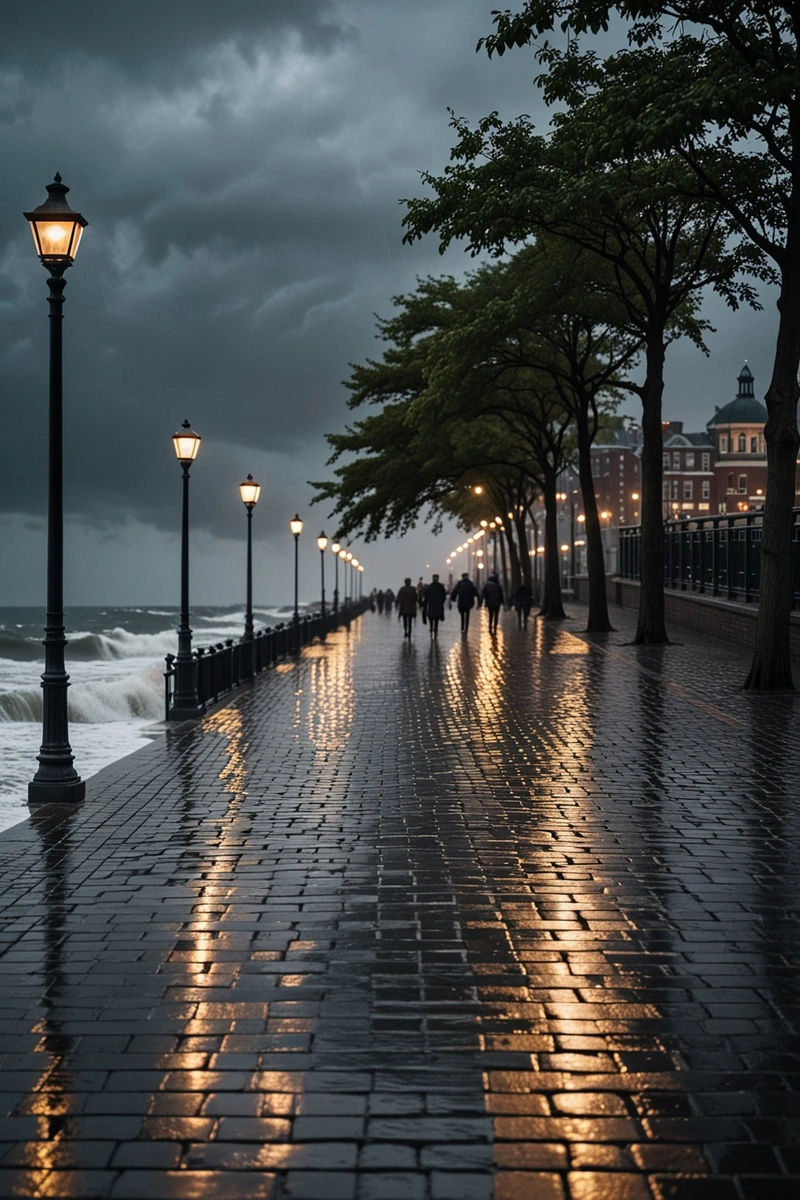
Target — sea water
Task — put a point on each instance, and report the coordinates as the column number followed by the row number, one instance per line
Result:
column 115, row 661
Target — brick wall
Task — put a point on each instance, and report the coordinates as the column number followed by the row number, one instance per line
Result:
column 728, row 620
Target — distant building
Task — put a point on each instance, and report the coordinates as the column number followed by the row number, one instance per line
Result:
column 617, row 474
column 688, row 482
column 737, row 431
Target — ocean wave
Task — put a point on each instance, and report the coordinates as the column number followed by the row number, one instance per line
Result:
column 96, row 702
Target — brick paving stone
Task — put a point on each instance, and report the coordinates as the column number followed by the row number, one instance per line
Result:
column 475, row 919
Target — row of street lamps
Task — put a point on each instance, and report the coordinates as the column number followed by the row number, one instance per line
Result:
column 57, row 230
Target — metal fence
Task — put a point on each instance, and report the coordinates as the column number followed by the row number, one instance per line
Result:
column 715, row 556
column 225, row 666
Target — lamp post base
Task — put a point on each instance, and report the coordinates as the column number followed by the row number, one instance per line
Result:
column 57, row 792
column 185, row 712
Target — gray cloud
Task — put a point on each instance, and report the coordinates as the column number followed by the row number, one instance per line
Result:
column 240, row 167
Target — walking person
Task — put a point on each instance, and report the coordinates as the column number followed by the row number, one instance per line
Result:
column 523, row 601
column 465, row 594
column 407, row 606
column 435, row 596
column 492, row 597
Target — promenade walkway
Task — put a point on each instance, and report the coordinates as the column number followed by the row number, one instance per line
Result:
column 512, row 919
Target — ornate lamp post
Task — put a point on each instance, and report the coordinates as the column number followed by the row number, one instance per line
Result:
column 335, row 550
column 355, row 578
column 361, row 581
column 343, row 556
column 296, row 526
column 249, row 491
column 185, row 701
column 57, row 231
column 348, row 559
column 322, row 543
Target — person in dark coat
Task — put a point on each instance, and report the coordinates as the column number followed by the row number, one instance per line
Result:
column 492, row 597
column 407, row 606
column 523, row 601
column 435, row 596
column 465, row 594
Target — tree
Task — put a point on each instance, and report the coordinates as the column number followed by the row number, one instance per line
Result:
column 717, row 84
column 662, row 248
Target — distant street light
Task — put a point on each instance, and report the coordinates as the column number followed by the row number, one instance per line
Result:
column 322, row 543
column 185, row 701
column 296, row 526
column 249, row 491
column 57, row 231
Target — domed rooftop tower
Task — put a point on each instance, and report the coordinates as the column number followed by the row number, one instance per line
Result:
column 744, row 409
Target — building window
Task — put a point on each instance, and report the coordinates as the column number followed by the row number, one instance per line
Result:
column 689, row 460
column 706, row 485
column 743, row 484
column 674, row 489
column 665, row 490
column 742, row 443
column 687, row 489
column 754, row 445
column 762, row 445
column 665, row 460
column 706, row 460
column 723, row 443
column 731, row 482
column 676, row 460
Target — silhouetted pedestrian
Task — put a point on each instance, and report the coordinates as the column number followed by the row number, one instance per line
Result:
column 465, row 594
column 523, row 601
column 492, row 597
column 380, row 599
column 435, row 596
column 407, row 606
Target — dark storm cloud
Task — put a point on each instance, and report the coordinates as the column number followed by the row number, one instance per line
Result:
column 240, row 166
column 155, row 42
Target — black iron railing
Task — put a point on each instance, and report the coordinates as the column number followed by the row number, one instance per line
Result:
column 226, row 665
column 715, row 556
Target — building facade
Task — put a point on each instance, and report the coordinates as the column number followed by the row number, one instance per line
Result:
column 740, row 468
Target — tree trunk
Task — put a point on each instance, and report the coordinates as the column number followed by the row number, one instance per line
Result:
column 598, row 620
column 553, row 604
column 514, row 560
column 651, row 627
column 526, row 576
column 771, row 668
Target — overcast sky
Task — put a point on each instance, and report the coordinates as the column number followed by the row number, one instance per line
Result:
column 240, row 166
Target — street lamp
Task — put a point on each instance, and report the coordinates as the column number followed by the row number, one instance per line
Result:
column 296, row 526
column 343, row 556
column 322, row 542
column 348, row 559
column 335, row 550
column 57, row 231
column 249, row 491
column 185, row 701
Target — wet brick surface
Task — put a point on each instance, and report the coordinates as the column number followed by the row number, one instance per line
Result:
column 510, row 919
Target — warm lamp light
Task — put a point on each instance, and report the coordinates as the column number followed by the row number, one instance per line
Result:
column 335, row 547
column 249, row 491
column 186, row 443
column 322, row 542
column 296, row 525
column 56, row 227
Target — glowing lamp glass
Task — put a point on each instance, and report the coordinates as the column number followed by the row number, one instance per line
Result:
column 186, row 443
column 322, row 542
column 296, row 525
column 249, row 491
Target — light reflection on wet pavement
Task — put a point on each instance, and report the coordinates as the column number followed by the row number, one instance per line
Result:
column 458, row 920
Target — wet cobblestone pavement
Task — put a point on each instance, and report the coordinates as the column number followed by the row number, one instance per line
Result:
column 471, row 920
